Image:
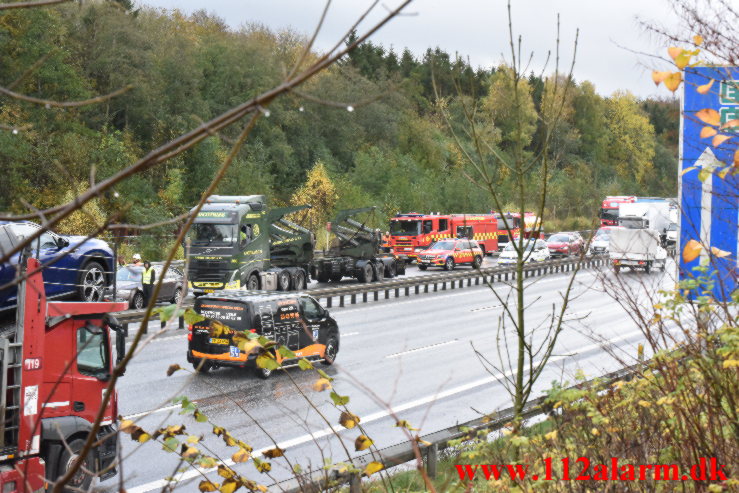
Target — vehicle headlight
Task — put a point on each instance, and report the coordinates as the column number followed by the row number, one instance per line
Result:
column 233, row 284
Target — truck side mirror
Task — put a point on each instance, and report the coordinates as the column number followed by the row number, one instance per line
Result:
column 120, row 338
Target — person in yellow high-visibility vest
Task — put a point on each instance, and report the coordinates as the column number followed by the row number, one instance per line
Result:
column 148, row 280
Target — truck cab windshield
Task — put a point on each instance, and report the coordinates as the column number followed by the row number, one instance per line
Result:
column 212, row 234
column 405, row 227
column 92, row 351
column 609, row 214
column 632, row 223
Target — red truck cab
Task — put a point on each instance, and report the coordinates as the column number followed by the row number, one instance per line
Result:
column 56, row 362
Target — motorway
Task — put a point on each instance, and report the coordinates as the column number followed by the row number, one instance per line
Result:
column 414, row 355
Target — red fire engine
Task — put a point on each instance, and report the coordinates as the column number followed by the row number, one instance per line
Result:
column 413, row 232
column 531, row 223
column 609, row 208
column 49, row 397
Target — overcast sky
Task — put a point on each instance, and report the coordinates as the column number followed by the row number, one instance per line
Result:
column 478, row 29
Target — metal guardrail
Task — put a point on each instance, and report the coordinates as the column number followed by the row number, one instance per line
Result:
column 316, row 481
column 354, row 293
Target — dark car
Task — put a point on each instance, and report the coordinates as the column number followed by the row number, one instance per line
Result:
column 294, row 320
column 74, row 265
column 129, row 287
column 565, row 244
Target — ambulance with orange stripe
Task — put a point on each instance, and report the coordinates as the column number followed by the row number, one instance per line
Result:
column 412, row 233
column 233, row 319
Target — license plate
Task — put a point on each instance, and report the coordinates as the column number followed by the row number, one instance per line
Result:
column 209, row 290
column 213, row 340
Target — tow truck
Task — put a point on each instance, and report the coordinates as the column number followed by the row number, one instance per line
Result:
column 56, row 363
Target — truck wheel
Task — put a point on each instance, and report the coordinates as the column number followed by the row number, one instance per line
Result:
column 477, row 262
column 299, row 280
column 390, row 269
column 482, row 247
column 365, row 274
column 336, row 277
column 378, row 271
column 81, row 480
column 253, row 283
column 92, row 282
column 423, row 267
column 648, row 268
column 283, row 280
column 332, row 347
column 449, row 264
column 399, row 267
column 323, row 276
column 138, row 301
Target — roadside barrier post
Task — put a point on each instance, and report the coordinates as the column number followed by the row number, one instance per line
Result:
column 355, row 484
column 432, row 455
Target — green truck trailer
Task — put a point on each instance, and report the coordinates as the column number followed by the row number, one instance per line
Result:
column 356, row 251
column 237, row 242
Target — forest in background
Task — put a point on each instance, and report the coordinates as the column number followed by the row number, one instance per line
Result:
column 381, row 140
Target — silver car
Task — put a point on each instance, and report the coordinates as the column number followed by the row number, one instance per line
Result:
column 130, row 288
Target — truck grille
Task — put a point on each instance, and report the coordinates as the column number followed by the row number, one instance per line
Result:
column 209, row 270
column 210, row 265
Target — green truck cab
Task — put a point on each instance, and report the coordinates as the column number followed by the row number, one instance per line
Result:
column 237, row 243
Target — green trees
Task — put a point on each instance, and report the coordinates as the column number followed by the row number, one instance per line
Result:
column 391, row 153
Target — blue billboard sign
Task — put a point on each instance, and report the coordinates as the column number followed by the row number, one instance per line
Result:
column 708, row 178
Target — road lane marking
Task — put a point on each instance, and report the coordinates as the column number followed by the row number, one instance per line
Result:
column 146, row 413
column 486, row 308
column 349, row 334
column 424, row 348
column 193, row 473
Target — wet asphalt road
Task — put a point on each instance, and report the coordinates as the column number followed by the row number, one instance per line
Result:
column 413, row 354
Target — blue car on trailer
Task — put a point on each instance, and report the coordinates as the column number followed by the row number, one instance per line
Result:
column 74, row 266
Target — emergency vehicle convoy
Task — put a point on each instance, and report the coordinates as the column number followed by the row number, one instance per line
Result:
column 413, row 232
column 56, row 363
column 296, row 321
